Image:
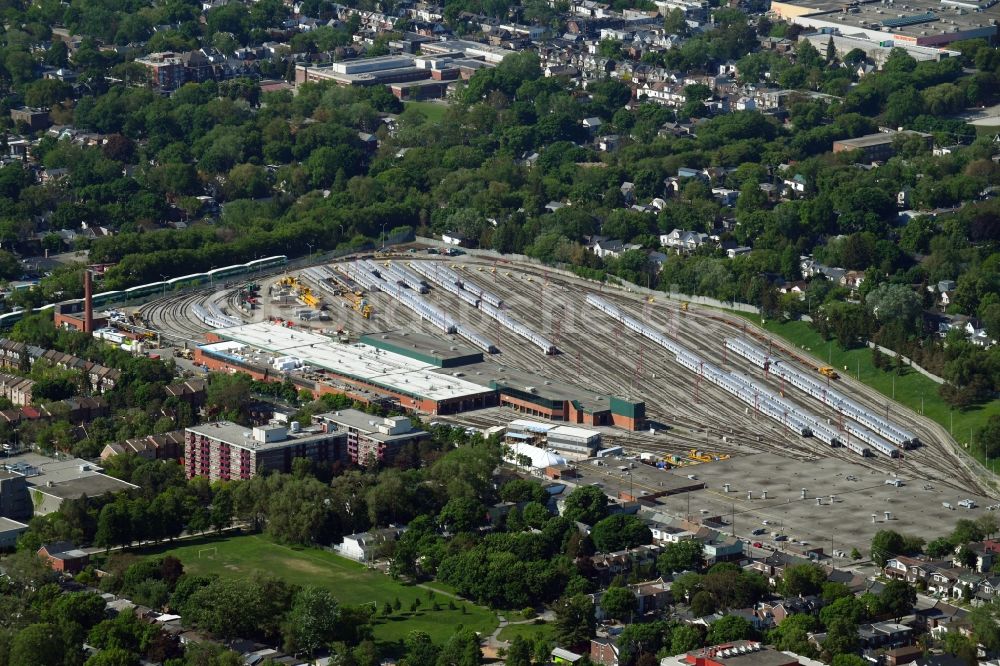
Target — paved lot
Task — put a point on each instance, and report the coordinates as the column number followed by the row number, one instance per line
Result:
column 915, row 506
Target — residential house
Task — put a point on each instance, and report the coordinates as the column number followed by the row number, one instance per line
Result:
column 367, row 546
column 795, row 185
column 592, row 124
column 852, row 279
column 683, row 241
column 907, row 568
column 984, row 556
column 885, row 635
column 64, row 557
column 775, row 612
column 191, row 391
column 628, row 192
column 456, row 238
column 722, row 547
column 609, row 565
column 604, row 651
column 651, row 595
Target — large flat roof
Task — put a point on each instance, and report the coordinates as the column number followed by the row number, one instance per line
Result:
column 437, row 350
column 367, row 423
column 910, row 18
column 359, row 361
column 235, row 434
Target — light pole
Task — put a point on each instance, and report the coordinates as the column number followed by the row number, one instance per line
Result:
column 310, row 251
column 383, row 237
column 164, row 278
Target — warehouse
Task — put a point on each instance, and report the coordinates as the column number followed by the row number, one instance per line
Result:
column 536, row 396
column 915, row 22
column 415, row 384
column 433, row 350
column 566, row 439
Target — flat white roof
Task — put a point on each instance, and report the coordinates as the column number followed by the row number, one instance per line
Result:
column 359, row 361
column 530, row 426
column 577, row 433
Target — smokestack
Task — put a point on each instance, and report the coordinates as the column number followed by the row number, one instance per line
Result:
column 88, row 303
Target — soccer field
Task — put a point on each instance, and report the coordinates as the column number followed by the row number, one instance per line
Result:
column 351, row 583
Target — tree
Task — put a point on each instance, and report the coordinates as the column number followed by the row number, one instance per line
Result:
column 312, row 621
column 895, row 304
column 687, row 555
column 462, row 649
column 684, row 639
column 897, row 598
column 575, row 622
column 587, row 504
column 462, row 514
column 618, row 532
column 421, row 651
column 802, row 580
column 989, row 436
column 113, row 657
column 793, row 633
column 619, row 603
column 729, row 628
column 885, row 544
column 38, row 644
column 703, row 603
column 848, row 660
column 518, row 654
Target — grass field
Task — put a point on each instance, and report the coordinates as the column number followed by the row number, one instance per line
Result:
column 529, row 631
column 351, row 583
column 911, row 388
column 433, row 110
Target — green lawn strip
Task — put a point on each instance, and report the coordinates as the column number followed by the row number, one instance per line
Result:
column 912, row 389
column 349, row 581
column 528, row 631
column 434, row 111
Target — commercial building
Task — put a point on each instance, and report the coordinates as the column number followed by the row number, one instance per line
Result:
column 381, row 70
column 371, row 439
column 432, row 374
column 15, row 502
column 878, row 146
column 225, row 450
column 34, row 119
column 579, row 441
column 878, row 51
column 9, row 531
column 42, row 484
column 894, row 22
column 334, row 367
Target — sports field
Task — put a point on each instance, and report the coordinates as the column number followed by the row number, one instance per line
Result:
column 351, row 583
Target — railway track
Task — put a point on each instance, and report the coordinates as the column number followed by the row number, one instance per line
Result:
column 601, row 356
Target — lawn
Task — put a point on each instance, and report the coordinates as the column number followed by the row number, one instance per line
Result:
column 911, row 388
column 433, row 110
column 351, row 583
column 529, row 631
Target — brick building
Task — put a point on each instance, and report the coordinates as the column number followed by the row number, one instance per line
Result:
column 224, row 450
column 370, row 438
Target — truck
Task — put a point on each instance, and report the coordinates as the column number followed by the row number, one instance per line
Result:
column 828, row 372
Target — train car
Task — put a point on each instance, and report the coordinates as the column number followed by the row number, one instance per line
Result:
column 192, row 280
column 9, row 319
column 267, row 263
column 108, row 297
column 227, row 271
column 143, row 290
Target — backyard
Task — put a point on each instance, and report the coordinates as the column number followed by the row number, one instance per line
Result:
column 350, row 582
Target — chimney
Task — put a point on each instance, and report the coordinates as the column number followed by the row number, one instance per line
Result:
column 88, row 303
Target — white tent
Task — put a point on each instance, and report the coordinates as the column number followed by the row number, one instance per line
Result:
column 539, row 456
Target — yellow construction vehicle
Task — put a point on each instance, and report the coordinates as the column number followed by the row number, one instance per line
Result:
column 310, row 299
column 362, row 307
column 695, row 454
column 684, row 306
column 829, row 372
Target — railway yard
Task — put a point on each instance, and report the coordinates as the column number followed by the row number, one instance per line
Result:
column 687, row 405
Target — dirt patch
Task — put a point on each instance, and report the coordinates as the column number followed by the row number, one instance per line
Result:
column 306, row 567
column 232, row 567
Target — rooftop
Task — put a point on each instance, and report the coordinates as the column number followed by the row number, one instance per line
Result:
column 907, row 18
column 359, row 361
column 6, row 524
column 441, row 351
column 235, row 434
column 876, row 139
column 375, row 427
